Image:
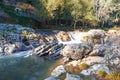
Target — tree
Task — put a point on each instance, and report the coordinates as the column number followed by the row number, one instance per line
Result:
column 81, row 10
column 55, row 8
column 106, row 10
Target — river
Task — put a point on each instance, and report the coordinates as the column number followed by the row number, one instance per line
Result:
column 23, row 67
column 20, row 67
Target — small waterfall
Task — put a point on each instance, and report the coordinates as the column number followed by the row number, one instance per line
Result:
column 75, row 38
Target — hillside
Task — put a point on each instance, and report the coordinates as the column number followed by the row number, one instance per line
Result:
column 47, row 14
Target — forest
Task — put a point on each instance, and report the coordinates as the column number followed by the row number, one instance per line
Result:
column 72, row 13
column 103, row 13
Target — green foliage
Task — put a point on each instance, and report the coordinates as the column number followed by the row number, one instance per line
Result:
column 78, row 11
column 14, row 18
column 55, row 8
column 81, row 10
column 25, row 32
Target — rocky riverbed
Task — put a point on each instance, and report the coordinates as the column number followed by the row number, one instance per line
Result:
column 81, row 54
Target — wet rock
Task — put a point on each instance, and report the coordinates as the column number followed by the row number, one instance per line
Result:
column 20, row 46
column 72, row 77
column 34, row 43
column 50, row 78
column 27, row 43
column 77, row 51
column 50, row 38
column 58, row 71
column 9, row 48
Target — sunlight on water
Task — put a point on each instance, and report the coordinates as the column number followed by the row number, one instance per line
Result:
column 75, row 38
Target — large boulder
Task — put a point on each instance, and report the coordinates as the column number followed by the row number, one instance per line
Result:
column 98, row 50
column 58, row 71
column 97, row 33
column 77, row 51
column 72, row 77
column 97, row 36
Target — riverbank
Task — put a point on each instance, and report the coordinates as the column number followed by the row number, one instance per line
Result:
column 81, row 54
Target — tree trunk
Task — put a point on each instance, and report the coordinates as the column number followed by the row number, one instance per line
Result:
column 83, row 23
column 75, row 24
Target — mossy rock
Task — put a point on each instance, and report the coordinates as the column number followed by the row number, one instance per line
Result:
column 83, row 66
column 113, row 76
column 101, row 73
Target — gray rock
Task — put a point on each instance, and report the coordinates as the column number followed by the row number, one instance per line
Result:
column 9, row 48
column 20, row 46
column 94, row 69
column 97, row 32
column 72, row 77
column 90, row 60
column 77, row 51
column 58, row 71
column 98, row 50
column 50, row 78
column 1, row 49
